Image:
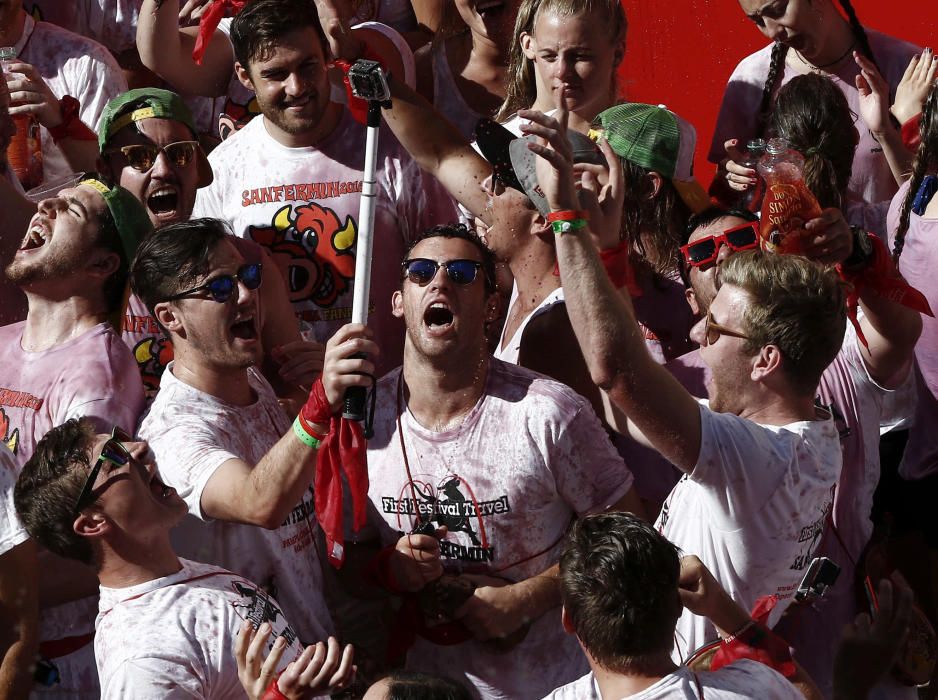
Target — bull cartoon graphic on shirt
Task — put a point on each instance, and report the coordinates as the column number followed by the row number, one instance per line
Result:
column 11, row 438
column 313, row 249
column 257, row 606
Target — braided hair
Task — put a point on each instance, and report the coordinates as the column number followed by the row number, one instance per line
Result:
column 926, row 159
column 777, row 64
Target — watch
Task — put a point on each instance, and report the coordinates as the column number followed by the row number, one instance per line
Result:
column 862, row 254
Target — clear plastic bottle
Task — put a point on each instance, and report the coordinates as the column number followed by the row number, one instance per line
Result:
column 25, row 150
column 751, row 199
column 788, row 203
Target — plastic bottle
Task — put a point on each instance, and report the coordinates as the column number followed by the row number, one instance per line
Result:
column 751, row 199
column 788, row 203
column 25, row 150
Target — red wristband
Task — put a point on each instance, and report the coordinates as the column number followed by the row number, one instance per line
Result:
column 568, row 215
column 307, row 426
column 273, row 691
column 72, row 127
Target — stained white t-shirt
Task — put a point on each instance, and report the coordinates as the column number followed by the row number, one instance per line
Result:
column 71, row 65
column 172, row 637
column 12, row 533
column 740, row 680
column 753, row 510
column 509, row 349
column 302, row 205
column 872, row 180
column 507, row 482
column 193, row 433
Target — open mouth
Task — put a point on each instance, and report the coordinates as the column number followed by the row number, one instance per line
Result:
column 161, row 490
column 35, row 238
column 244, row 329
column 164, row 202
column 438, row 317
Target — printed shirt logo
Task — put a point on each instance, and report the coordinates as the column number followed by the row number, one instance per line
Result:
column 235, row 116
column 255, row 605
column 314, row 251
column 152, row 354
column 447, row 505
column 10, row 439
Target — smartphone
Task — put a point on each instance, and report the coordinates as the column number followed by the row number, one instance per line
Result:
column 822, row 573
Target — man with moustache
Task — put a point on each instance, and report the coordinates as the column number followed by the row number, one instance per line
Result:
column 291, row 179
column 66, row 360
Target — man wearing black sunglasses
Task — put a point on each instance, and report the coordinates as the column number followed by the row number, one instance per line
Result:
column 503, row 458
column 166, row 625
column 219, row 435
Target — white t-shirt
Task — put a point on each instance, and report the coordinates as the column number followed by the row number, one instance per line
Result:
column 753, row 510
column 302, row 205
column 12, row 533
column 872, row 180
column 193, row 433
column 71, row 65
column 172, row 637
column 509, row 349
column 742, row 679
column 526, row 460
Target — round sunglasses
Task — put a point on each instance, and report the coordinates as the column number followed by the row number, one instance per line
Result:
column 142, row 156
column 422, row 270
column 706, row 250
column 221, row 287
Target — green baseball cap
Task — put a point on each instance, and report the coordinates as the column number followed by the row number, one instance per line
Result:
column 129, row 215
column 150, row 103
column 655, row 138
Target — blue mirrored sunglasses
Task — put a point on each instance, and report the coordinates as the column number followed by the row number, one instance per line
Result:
column 223, row 286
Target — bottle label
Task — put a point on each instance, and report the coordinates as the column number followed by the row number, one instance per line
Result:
column 785, row 210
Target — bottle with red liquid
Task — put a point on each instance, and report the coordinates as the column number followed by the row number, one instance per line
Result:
column 751, row 199
column 788, row 203
column 24, row 153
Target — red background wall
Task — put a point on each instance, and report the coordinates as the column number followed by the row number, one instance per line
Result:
column 681, row 52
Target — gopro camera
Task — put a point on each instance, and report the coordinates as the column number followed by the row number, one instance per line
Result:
column 368, row 81
column 822, row 573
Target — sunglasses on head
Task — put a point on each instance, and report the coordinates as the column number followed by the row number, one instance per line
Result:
column 142, row 156
column 422, row 270
column 113, row 451
column 706, row 250
column 222, row 287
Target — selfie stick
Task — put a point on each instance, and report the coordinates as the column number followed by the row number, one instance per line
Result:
column 354, row 403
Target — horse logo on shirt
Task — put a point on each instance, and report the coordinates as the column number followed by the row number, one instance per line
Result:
column 313, row 249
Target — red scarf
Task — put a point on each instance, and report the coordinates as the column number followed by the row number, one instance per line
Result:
column 208, row 23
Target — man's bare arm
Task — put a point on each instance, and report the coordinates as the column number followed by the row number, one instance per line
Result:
column 19, row 611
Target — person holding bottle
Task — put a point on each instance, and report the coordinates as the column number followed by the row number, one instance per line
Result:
column 809, row 36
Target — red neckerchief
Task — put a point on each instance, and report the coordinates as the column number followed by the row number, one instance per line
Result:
column 618, row 268
column 208, row 23
column 882, row 276
column 343, row 450
column 758, row 643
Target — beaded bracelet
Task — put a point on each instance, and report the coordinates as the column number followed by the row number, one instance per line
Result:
column 303, row 436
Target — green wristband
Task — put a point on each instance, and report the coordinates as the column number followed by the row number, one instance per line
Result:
column 568, row 226
column 304, row 437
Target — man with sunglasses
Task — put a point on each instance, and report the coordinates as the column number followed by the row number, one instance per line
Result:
column 219, row 435
column 166, row 626
column 864, row 374
column 64, row 360
column 760, row 459
column 503, row 458
column 149, row 145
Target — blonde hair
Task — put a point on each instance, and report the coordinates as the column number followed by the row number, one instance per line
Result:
column 795, row 304
column 522, row 90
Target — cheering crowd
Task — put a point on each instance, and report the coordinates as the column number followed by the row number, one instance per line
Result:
column 623, row 436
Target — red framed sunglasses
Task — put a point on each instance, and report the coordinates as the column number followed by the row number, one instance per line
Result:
column 705, row 251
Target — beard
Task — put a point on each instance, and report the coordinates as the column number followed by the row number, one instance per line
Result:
column 26, row 272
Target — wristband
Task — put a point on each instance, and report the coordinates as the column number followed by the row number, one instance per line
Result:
column 568, row 215
column 72, row 126
column 273, row 691
column 303, row 436
column 568, row 226
column 309, row 430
